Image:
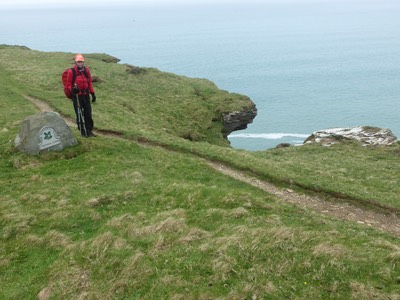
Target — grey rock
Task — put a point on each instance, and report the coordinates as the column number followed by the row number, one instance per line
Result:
column 283, row 145
column 44, row 132
column 238, row 120
column 365, row 135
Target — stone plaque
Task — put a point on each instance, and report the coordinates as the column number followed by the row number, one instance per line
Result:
column 44, row 132
column 48, row 137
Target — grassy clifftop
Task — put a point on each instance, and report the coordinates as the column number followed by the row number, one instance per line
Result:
column 115, row 218
column 130, row 99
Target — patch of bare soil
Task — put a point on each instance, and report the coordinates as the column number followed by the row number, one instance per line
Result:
column 344, row 211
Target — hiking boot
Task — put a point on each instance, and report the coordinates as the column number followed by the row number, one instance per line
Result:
column 91, row 134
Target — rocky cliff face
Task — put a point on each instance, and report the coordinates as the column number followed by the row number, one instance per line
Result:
column 238, row 120
column 365, row 135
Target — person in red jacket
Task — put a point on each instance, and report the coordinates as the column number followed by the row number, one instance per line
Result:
column 79, row 82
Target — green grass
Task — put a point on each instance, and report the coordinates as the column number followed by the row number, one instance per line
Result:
column 150, row 101
column 115, row 219
column 366, row 174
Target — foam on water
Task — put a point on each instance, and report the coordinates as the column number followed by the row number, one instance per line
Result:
column 267, row 136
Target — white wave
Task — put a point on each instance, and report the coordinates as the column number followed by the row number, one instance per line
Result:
column 268, row 136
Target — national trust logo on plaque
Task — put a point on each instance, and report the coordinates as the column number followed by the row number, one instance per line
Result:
column 48, row 137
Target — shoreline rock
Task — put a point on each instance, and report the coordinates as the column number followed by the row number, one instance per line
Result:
column 365, row 135
column 238, row 120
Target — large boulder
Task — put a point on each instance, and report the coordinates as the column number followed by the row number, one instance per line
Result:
column 44, row 132
column 365, row 135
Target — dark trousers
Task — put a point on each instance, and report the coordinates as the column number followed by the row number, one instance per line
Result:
column 86, row 109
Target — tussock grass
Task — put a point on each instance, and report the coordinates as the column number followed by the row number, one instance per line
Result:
column 335, row 251
column 362, row 291
column 111, row 219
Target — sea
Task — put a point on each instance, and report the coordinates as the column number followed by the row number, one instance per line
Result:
column 307, row 65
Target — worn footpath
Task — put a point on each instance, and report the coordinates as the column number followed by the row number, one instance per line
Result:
column 388, row 222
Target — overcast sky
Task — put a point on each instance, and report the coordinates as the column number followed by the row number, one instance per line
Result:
column 57, row 3
column 53, row 3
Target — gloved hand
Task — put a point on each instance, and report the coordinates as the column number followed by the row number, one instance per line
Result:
column 75, row 90
column 93, row 97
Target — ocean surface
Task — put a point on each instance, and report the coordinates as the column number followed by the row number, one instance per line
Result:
column 307, row 66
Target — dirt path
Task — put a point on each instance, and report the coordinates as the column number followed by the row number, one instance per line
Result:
column 44, row 107
column 344, row 211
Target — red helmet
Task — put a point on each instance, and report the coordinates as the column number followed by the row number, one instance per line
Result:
column 79, row 57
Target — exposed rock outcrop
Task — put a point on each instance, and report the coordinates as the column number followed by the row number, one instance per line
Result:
column 238, row 120
column 365, row 135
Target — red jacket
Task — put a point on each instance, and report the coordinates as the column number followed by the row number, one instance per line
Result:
column 84, row 83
